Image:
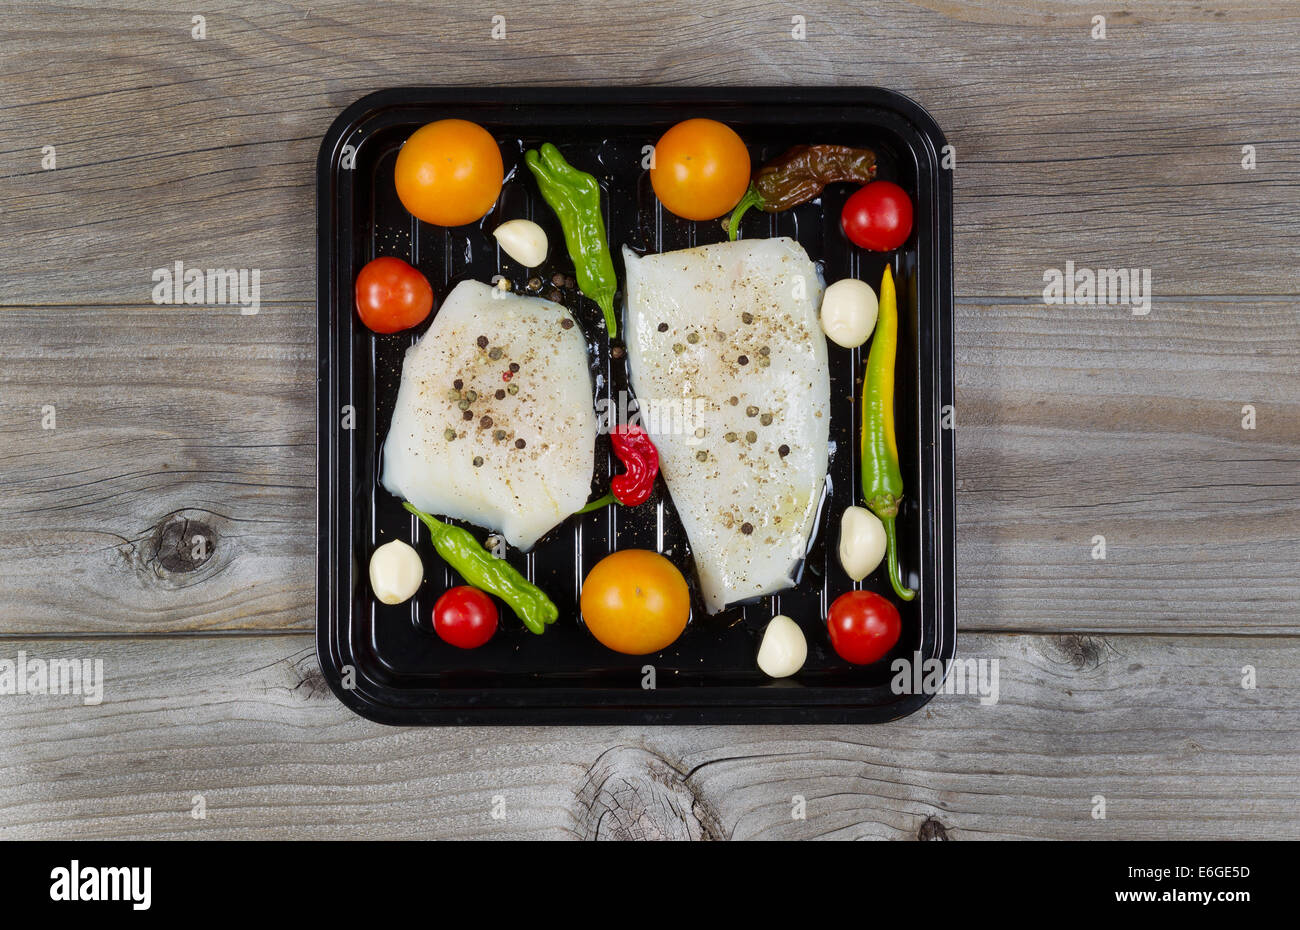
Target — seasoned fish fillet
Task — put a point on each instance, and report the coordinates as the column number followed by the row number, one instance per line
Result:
column 518, row 367
column 727, row 335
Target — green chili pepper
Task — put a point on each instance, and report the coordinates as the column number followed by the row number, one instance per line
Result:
column 882, row 481
column 575, row 197
column 484, row 570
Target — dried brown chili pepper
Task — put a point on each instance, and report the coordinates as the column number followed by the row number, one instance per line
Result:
column 800, row 175
column 640, row 458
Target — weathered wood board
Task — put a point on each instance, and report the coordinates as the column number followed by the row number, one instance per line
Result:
column 243, row 729
column 165, row 523
column 178, row 423
column 1120, row 151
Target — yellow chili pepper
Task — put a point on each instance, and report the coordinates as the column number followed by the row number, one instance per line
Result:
column 882, row 480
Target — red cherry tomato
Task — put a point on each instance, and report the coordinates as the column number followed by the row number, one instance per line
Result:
column 878, row 216
column 465, row 617
column 864, row 626
column 392, row 296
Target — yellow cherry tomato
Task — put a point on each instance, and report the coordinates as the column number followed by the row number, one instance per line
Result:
column 701, row 169
column 635, row 602
column 449, row 173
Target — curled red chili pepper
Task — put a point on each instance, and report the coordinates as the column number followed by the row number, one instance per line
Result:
column 640, row 458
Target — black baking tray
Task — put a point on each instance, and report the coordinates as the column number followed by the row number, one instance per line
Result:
column 384, row 662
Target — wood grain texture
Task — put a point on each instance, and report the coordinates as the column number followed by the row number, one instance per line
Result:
column 178, row 423
column 1160, row 727
column 1124, row 151
column 1079, row 422
column 1071, row 422
column 169, row 425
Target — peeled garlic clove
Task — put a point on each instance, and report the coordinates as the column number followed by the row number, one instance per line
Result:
column 784, row 649
column 862, row 542
column 522, row 240
column 849, row 309
column 395, row 572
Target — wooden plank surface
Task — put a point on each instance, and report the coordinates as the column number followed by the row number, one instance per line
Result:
column 1123, row 150
column 176, row 489
column 1160, row 727
column 173, row 423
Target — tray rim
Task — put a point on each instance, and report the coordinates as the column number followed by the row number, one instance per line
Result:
column 597, row 706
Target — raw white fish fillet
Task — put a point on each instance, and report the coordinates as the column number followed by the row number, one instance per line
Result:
column 728, row 336
column 537, row 445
